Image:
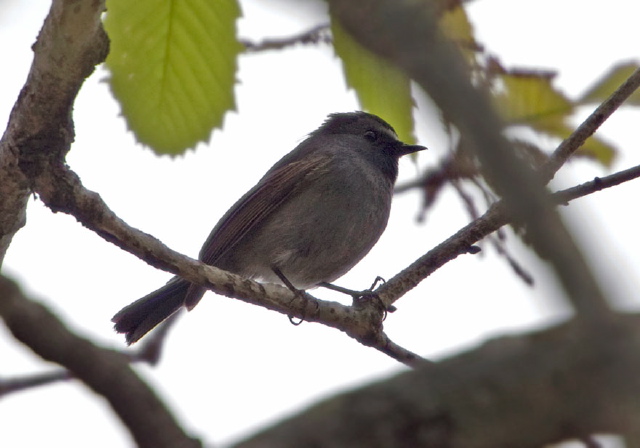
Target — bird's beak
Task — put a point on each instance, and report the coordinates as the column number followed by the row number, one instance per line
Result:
column 405, row 149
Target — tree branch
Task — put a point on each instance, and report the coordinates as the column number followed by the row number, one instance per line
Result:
column 528, row 391
column 597, row 184
column 62, row 190
column 32, row 152
column 39, row 135
column 496, row 217
column 407, row 33
column 148, row 351
column 70, row 45
column 106, row 372
column 316, row 34
column 589, row 126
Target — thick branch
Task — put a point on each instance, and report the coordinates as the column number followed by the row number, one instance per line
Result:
column 106, row 372
column 527, row 391
column 70, row 45
column 148, row 351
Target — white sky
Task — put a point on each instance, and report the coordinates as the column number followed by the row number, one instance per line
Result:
column 229, row 367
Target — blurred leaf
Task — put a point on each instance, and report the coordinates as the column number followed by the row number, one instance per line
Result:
column 525, row 98
column 594, row 148
column 455, row 24
column 528, row 98
column 610, row 82
column 598, row 149
column 382, row 89
column 173, row 66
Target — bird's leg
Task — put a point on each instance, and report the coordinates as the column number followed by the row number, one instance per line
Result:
column 359, row 296
column 350, row 292
column 293, row 289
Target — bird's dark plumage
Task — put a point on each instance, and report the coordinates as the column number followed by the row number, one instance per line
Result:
column 312, row 217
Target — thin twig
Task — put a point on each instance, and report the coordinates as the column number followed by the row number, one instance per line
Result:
column 597, row 184
column 589, row 126
column 406, row 357
column 518, row 269
column 316, row 34
column 467, row 200
column 459, row 243
column 12, row 385
column 147, row 352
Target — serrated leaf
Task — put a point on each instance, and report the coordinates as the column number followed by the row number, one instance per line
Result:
column 382, row 89
column 173, row 66
column 610, row 82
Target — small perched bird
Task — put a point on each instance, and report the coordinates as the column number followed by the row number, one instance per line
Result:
column 312, row 217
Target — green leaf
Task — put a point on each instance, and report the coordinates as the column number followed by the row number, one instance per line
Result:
column 455, row 24
column 594, row 148
column 173, row 65
column 382, row 89
column 528, row 97
column 610, row 82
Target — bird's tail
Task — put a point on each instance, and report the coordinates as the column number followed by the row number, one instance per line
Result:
column 138, row 318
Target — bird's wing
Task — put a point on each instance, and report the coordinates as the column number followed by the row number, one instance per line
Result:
column 259, row 203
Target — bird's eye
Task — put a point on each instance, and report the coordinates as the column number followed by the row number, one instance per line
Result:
column 371, row 136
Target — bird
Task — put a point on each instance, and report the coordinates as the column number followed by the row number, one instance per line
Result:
column 310, row 219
